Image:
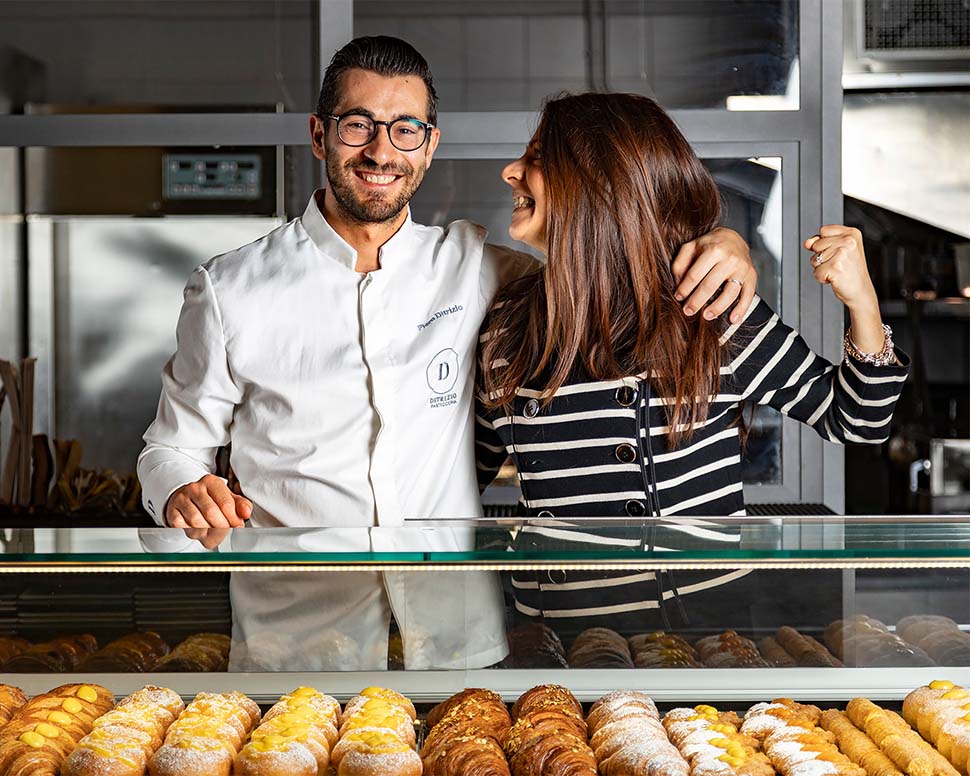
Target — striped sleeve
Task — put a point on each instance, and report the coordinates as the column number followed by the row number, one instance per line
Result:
column 490, row 452
column 771, row 364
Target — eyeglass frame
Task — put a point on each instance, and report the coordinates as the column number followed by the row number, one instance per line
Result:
column 387, row 128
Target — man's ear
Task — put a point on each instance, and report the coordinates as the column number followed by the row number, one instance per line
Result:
column 432, row 145
column 318, row 133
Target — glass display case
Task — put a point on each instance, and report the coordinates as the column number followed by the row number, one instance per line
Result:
column 732, row 610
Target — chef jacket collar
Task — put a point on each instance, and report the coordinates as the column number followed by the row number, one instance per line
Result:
column 333, row 245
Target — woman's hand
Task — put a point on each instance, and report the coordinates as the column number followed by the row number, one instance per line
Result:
column 719, row 260
column 838, row 260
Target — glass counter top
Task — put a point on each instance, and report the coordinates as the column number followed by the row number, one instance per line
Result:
column 507, row 544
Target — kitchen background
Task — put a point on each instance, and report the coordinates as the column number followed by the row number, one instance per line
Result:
column 138, row 139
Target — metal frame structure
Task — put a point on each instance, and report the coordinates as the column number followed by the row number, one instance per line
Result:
column 807, row 139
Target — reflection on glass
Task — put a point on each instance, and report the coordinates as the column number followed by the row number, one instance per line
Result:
column 686, row 54
column 178, row 52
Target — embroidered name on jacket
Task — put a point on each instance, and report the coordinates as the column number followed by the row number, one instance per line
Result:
column 455, row 308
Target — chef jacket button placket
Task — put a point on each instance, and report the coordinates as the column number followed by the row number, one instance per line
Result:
column 625, row 453
column 635, row 508
column 531, row 408
column 625, row 395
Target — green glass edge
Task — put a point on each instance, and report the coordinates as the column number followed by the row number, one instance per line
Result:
column 485, row 556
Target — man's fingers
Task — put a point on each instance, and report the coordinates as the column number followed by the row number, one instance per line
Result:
column 211, row 511
column 192, row 516
column 682, row 261
column 175, row 519
column 244, row 507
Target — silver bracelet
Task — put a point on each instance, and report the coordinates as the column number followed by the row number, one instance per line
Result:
column 884, row 357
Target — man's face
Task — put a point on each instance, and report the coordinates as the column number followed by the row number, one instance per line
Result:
column 375, row 182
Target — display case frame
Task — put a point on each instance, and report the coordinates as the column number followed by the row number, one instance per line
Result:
column 780, row 544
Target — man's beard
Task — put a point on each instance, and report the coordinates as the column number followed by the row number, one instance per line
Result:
column 374, row 208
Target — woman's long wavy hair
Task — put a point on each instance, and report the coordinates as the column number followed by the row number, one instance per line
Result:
column 624, row 192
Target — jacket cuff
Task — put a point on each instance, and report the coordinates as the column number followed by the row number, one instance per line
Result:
column 162, row 481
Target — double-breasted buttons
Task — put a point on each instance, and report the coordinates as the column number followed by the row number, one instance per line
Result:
column 545, row 513
column 625, row 395
column 531, row 408
column 635, row 508
column 625, row 453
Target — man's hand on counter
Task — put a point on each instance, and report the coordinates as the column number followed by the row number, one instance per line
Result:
column 207, row 503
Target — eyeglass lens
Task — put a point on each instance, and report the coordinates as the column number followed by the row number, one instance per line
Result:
column 358, row 130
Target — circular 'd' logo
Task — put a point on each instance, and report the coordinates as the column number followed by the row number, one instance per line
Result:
column 442, row 372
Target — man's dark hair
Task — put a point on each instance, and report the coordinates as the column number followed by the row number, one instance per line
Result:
column 380, row 54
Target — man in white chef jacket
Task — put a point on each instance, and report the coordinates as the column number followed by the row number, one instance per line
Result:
column 336, row 355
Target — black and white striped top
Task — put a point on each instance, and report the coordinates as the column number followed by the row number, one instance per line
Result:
column 600, row 448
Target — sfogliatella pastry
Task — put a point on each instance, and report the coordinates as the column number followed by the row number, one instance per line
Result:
column 207, row 736
column 729, row 650
column 377, row 736
column 711, row 742
column 294, row 738
column 600, row 648
column 466, row 735
column 898, row 740
column 941, row 713
column 626, row 737
column 775, row 653
column 135, row 652
column 864, row 641
column 857, row 746
column 794, row 743
column 548, row 735
column 207, row 652
column 660, row 649
column 43, row 732
column 940, row 637
column 804, row 649
column 124, row 740
column 11, row 700
column 11, row 646
column 535, row 645
column 61, row 655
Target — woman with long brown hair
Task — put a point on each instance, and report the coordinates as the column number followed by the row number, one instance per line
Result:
column 612, row 401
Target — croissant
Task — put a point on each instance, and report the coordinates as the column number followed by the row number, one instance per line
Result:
column 206, row 737
column 467, row 733
column 199, row 652
column 45, row 730
column 294, row 737
column 548, row 735
column 124, row 740
column 11, row 699
column 135, row 652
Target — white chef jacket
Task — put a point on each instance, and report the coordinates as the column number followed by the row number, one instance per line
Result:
column 347, row 398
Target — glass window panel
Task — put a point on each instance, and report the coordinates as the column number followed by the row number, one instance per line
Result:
column 115, row 277
column 181, row 52
column 684, row 53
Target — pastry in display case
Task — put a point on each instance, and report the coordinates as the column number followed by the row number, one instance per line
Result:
column 791, row 690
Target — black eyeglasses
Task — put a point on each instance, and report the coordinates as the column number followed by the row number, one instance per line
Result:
column 405, row 134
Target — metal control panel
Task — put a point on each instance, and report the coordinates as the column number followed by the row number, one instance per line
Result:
column 212, row 176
